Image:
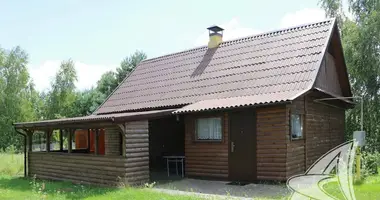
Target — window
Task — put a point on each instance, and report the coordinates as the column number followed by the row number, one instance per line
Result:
column 54, row 140
column 209, row 128
column 39, row 141
column 296, row 126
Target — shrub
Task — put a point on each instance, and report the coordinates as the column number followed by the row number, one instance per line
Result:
column 370, row 163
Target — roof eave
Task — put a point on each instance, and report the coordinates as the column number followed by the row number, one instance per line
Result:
column 234, row 107
column 91, row 122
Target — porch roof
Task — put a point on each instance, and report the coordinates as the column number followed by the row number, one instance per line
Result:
column 91, row 119
column 241, row 101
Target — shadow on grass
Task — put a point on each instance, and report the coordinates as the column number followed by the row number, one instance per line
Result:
column 53, row 188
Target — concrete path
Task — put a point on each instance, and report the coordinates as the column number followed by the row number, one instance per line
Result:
column 222, row 190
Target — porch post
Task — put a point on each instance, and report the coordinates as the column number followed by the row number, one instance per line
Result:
column 123, row 148
column 30, row 140
column 70, row 144
column 48, row 140
column 96, row 141
column 123, row 137
column 60, row 139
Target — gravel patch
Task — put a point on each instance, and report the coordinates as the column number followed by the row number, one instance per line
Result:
column 220, row 189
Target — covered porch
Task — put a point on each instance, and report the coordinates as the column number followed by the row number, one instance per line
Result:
column 107, row 150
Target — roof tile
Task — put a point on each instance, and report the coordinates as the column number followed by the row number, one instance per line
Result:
column 267, row 65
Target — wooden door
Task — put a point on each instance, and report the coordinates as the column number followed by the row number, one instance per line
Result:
column 242, row 146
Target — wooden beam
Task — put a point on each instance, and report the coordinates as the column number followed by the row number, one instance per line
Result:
column 29, row 134
column 123, row 142
column 70, row 144
column 121, row 127
column 96, row 141
column 60, row 139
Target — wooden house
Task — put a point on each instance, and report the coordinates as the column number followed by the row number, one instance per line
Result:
column 239, row 110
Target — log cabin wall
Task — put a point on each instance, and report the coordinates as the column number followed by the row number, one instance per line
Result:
column 271, row 143
column 324, row 128
column 112, row 141
column 78, row 168
column 137, row 152
column 206, row 159
column 295, row 149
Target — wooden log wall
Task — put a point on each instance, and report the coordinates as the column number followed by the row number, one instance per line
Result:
column 206, row 159
column 112, row 142
column 324, row 128
column 78, row 168
column 271, row 143
column 295, row 155
column 137, row 151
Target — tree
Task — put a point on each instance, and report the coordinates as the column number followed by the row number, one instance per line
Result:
column 128, row 64
column 361, row 44
column 107, row 83
column 16, row 93
column 62, row 95
column 87, row 101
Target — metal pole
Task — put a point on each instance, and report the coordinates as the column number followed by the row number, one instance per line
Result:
column 361, row 113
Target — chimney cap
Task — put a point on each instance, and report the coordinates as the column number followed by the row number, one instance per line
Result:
column 215, row 29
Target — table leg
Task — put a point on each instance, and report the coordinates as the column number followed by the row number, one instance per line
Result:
column 176, row 166
column 182, row 167
column 167, row 165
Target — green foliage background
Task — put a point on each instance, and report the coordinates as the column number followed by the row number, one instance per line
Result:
column 20, row 102
column 360, row 34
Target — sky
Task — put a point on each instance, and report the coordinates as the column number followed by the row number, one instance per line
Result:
column 98, row 34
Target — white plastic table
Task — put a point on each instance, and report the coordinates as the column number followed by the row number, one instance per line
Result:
column 176, row 160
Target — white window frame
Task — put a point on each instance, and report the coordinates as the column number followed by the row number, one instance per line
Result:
column 218, row 138
column 300, row 134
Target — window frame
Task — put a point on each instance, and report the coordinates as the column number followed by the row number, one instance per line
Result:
column 209, row 140
column 302, row 126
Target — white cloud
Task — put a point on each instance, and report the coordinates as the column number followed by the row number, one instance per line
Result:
column 232, row 29
column 304, row 16
column 88, row 74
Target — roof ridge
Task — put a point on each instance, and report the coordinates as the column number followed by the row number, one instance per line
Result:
column 258, row 35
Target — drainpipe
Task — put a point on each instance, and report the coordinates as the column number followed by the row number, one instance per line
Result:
column 25, row 167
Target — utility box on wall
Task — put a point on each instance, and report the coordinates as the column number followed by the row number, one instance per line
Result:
column 359, row 136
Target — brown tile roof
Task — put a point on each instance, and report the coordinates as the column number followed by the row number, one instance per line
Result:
column 267, row 65
column 232, row 102
column 116, row 117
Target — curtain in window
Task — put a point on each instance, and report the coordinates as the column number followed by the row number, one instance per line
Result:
column 209, row 129
column 296, row 126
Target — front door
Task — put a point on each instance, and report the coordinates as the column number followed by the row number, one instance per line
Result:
column 242, row 145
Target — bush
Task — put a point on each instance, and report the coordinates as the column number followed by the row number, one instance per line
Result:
column 370, row 163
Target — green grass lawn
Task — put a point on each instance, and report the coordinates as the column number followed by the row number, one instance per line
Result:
column 367, row 189
column 11, row 164
column 21, row 188
column 14, row 186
